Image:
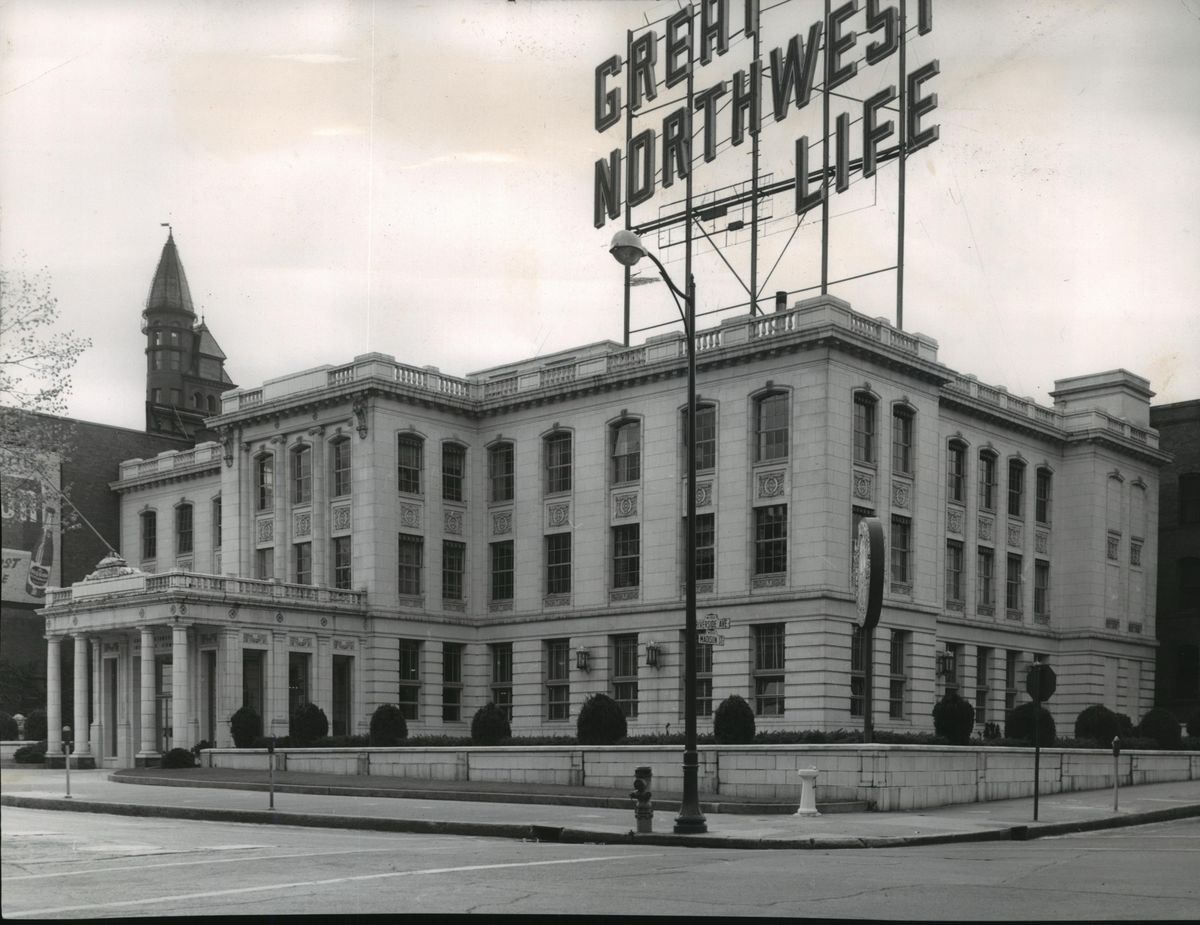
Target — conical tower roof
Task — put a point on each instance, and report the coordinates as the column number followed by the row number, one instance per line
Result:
column 169, row 291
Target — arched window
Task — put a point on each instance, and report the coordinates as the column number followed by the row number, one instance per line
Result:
column 956, row 472
column 771, row 426
column 626, row 443
column 864, row 428
column 264, row 482
column 212, row 404
column 903, row 418
column 183, row 530
column 340, row 466
column 1189, row 498
column 558, row 462
column 302, row 474
column 500, row 472
column 149, row 534
column 410, row 459
column 197, row 400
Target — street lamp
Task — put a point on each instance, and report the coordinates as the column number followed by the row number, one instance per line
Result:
column 627, row 248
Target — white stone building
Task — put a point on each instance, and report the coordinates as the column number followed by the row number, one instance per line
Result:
column 380, row 533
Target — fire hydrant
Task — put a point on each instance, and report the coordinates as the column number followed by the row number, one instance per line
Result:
column 643, row 812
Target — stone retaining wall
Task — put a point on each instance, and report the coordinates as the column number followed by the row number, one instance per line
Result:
column 893, row 777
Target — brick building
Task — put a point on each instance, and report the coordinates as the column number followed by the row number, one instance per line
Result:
column 375, row 532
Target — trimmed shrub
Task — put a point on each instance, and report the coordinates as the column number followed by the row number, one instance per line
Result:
column 733, row 722
column 309, row 724
column 8, row 728
column 600, row 722
column 1160, row 725
column 388, row 728
column 178, row 758
column 33, row 753
column 35, row 725
column 245, row 725
column 954, row 718
column 991, row 732
column 1019, row 725
column 1193, row 724
column 1124, row 726
column 490, row 725
column 1097, row 722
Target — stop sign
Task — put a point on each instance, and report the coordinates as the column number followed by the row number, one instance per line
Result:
column 1040, row 682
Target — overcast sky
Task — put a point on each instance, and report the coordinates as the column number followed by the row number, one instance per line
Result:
column 416, row 179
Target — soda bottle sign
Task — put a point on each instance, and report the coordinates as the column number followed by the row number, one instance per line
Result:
column 42, row 559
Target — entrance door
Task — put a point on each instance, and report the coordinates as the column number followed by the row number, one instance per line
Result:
column 108, row 747
column 163, row 701
column 342, row 667
column 210, row 697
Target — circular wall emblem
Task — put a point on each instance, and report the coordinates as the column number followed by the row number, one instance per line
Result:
column 324, row 621
column 278, row 618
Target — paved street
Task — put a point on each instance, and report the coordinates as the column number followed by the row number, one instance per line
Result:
column 62, row 864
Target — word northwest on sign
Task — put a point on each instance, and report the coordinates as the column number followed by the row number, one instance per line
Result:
column 792, row 75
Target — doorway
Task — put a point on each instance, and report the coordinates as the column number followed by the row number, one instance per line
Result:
column 162, row 699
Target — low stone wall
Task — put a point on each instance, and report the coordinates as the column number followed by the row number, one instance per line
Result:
column 893, row 777
column 8, row 749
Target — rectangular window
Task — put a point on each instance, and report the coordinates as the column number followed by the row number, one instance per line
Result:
column 986, row 597
column 627, row 452
column 898, row 674
column 1135, row 552
column 302, row 475
column 1042, row 496
column 302, row 557
column 956, row 471
column 954, row 571
column 454, row 561
column 704, row 676
column 264, row 480
column 454, row 468
column 409, row 462
column 1113, row 546
column 953, row 666
column 452, row 653
column 149, row 535
column 408, row 576
column 901, row 550
column 768, row 669
column 706, row 437
column 770, row 540
column 771, row 427
column 183, row 530
column 558, row 673
column 858, row 677
column 502, row 571
column 502, row 665
column 409, row 698
column 987, row 482
column 558, row 463
column 341, row 562
column 1041, row 588
column 1013, row 588
column 1016, row 488
column 264, row 564
column 624, row 673
column 902, row 441
column 1010, row 680
column 864, row 429
column 626, row 553
column 558, row 563
column 983, row 660
column 706, row 546
column 216, row 523
column 341, row 468
column 500, row 472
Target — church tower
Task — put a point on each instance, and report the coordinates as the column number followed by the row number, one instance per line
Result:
column 185, row 368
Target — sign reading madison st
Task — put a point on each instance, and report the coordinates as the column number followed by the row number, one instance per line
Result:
column 666, row 151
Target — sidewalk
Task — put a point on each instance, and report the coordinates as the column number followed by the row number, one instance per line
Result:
column 469, row 808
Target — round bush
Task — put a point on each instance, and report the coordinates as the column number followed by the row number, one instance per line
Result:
column 1124, row 726
column 1098, row 723
column 733, row 723
column 8, row 727
column 178, row 758
column 35, row 725
column 600, row 722
column 1160, row 725
column 309, row 723
column 388, row 728
column 1019, row 725
column 245, row 725
column 490, row 725
column 33, row 753
column 954, row 718
column 1193, row 724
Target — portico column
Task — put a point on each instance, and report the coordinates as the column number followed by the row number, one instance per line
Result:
column 81, row 727
column 53, row 698
column 180, row 730
column 277, row 686
column 229, row 683
column 148, row 749
column 94, row 732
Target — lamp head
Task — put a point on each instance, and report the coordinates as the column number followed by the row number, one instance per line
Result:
column 627, row 248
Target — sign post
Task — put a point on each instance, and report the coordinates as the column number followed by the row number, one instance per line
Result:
column 66, row 744
column 271, row 773
column 1040, row 682
column 868, row 594
column 1116, row 768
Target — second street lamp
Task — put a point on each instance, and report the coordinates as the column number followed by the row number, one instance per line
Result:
column 627, row 248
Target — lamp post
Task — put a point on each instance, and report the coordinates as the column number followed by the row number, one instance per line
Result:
column 627, row 248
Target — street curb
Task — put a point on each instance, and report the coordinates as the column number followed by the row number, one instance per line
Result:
column 544, row 833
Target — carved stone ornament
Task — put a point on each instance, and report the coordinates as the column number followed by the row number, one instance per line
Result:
column 300, row 642
column 770, row 484
column 704, row 494
column 769, row 581
column 345, row 645
column 900, row 494
column 864, row 485
column 625, row 505
column 360, row 416
column 954, row 521
column 1041, row 541
column 258, row 639
column 558, row 514
column 985, row 529
column 227, row 448
column 502, row 523
column 341, row 517
column 1014, row 535
column 453, row 522
column 302, row 524
column 625, row 594
column 265, row 531
column 410, row 515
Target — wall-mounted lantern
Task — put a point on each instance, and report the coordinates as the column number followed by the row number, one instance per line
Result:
column 582, row 657
column 945, row 664
column 653, row 654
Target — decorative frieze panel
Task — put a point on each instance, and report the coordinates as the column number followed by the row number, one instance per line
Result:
column 208, row 639
column 956, row 606
column 302, row 524
column 1042, row 619
column 770, row 484
column 500, row 607
column 452, row 522
column 343, row 645
column 625, row 505
column 558, row 514
column 410, row 516
column 1041, row 541
column 184, row 564
column 768, row 581
column 985, row 610
column 340, row 518
column 1014, row 535
column 986, row 529
column 625, row 594
column 412, row 600
column 255, row 639
column 1013, row 615
column 502, row 523
column 454, row 606
column 902, row 495
column 300, row 642
column 864, row 485
column 902, row 587
column 111, row 647
column 556, row 600
column 264, row 531
column 704, row 494
column 954, row 521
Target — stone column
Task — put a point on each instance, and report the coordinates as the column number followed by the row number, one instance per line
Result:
column 180, row 737
column 229, row 683
column 97, row 730
column 196, row 692
column 322, row 676
column 81, row 728
column 149, row 749
column 282, row 535
column 246, row 523
column 53, row 698
column 277, row 686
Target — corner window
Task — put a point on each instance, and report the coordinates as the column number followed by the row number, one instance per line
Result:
column 898, row 674
column 502, row 571
column 771, row 427
column 954, row 571
column 500, row 472
column 706, row 437
column 956, row 471
column 502, row 676
column 558, row 563
column 1041, row 588
column 706, row 546
column 341, row 563
column 626, row 452
column 409, row 697
column 558, row 675
column 770, row 539
column 183, row 530
column 768, row 669
column 454, row 556
column 302, row 475
column 264, row 564
column 454, row 467
column 626, row 555
column 264, row 482
column 902, row 440
column 864, row 428
column 1014, row 592
column 902, row 570
column 624, row 673
column 302, row 555
column 558, row 462
column 409, row 462
column 452, row 688
column 1042, row 497
column 986, row 585
column 409, row 571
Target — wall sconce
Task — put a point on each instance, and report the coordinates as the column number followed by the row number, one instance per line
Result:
column 945, row 664
column 582, row 656
column 653, row 654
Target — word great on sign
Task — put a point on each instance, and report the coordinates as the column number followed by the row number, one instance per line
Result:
column 791, row 78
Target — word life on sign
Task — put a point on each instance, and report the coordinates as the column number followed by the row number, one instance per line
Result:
column 791, row 78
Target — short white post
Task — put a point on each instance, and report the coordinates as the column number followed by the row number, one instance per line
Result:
column 808, row 792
